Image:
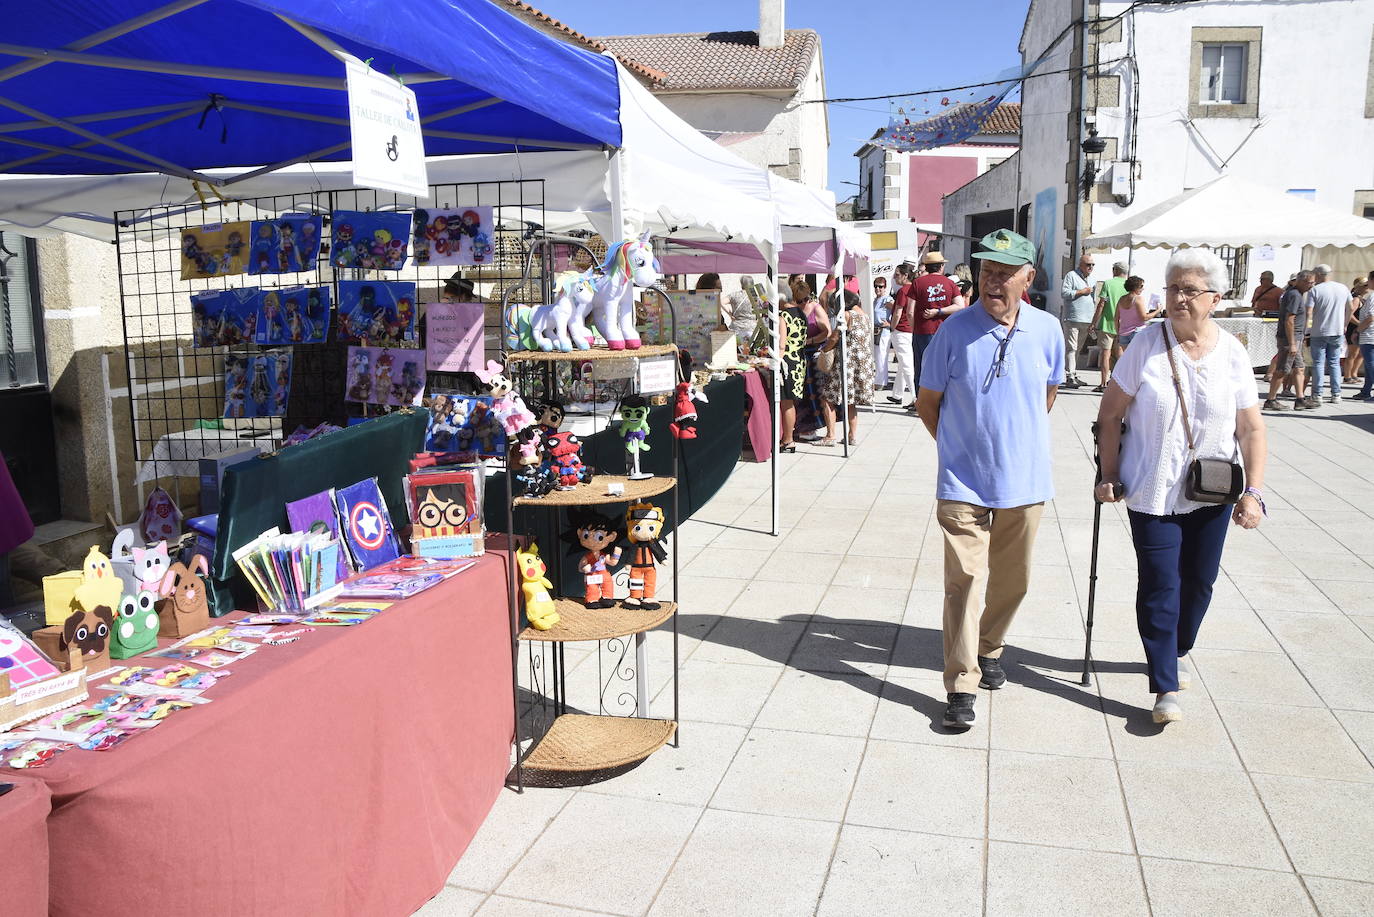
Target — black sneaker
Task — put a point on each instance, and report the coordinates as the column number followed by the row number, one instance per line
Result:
column 993, row 676
column 1071, row 382
column 959, row 713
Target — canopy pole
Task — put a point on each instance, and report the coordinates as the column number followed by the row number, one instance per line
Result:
column 142, row 126
column 329, row 46
column 843, row 321
column 616, row 163
column 776, row 309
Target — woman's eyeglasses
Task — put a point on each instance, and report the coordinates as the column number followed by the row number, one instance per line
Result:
column 998, row 369
column 1188, row 293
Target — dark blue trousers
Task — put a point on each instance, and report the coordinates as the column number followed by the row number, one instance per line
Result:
column 1177, row 559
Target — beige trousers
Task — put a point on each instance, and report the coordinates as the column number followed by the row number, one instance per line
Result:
column 982, row 546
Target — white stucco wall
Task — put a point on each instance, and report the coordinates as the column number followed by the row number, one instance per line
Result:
column 783, row 126
column 994, row 190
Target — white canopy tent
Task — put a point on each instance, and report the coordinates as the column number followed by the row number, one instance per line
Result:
column 1232, row 211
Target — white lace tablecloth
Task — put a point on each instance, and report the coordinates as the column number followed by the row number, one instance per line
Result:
column 179, row 454
column 1259, row 335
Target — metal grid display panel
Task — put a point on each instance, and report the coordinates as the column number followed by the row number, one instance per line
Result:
column 173, row 385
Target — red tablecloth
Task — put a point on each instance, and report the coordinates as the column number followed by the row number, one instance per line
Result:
column 760, row 425
column 341, row 774
column 23, row 825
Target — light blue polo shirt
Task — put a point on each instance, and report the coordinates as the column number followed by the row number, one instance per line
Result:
column 994, row 433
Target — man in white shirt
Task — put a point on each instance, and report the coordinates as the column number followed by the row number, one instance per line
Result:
column 1077, row 294
column 1332, row 309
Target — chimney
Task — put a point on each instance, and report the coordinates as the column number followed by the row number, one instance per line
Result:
column 770, row 23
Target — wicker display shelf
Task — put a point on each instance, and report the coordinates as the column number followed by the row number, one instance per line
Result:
column 594, row 492
column 596, row 353
column 577, row 622
column 577, row 742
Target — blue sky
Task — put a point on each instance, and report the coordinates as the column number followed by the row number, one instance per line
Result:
column 864, row 54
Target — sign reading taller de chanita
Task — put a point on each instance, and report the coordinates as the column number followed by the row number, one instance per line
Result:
column 388, row 145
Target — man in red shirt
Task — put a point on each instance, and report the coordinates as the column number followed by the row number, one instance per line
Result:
column 933, row 298
column 902, row 323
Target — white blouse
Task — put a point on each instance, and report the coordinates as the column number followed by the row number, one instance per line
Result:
column 1154, row 451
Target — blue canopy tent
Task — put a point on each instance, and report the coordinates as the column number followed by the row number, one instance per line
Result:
column 128, row 86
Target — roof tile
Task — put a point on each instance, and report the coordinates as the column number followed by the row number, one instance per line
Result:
column 720, row 60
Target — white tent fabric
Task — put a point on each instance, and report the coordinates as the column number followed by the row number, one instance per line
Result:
column 1232, row 211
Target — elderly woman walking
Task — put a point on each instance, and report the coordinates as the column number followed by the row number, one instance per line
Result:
column 1186, row 392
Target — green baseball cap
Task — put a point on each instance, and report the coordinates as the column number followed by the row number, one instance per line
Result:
column 1007, row 247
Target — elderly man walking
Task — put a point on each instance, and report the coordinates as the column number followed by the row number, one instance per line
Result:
column 1332, row 309
column 988, row 382
column 1077, row 293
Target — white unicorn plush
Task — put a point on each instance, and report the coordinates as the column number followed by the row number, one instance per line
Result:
column 561, row 325
column 628, row 264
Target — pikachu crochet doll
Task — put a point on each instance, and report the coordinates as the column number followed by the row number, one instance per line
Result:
column 539, row 606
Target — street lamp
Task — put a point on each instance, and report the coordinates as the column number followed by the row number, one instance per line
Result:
column 1093, row 146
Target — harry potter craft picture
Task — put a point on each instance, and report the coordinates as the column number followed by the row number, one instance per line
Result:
column 376, row 312
column 294, row 315
column 285, row 245
column 458, row 236
column 214, row 251
column 369, row 240
column 377, row 375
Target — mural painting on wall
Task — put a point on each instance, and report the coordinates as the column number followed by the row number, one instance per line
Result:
column 1044, row 215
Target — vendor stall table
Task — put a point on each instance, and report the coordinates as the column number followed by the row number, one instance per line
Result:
column 342, row 774
column 24, row 877
column 179, row 454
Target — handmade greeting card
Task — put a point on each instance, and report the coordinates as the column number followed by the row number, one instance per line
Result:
column 225, row 317
column 315, row 513
column 453, row 337
column 214, row 250
column 21, row 660
column 287, row 244
column 459, row 236
column 377, row 375
column 376, row 312
column 294, row 315
column 369, row 240
column 366, row 524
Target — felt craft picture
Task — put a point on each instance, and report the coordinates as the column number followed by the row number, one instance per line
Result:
column 377, row 375
column 257, row 385
column 449, row 237
column 294, row 315
column 285, row 245
column 216, row 250
column 442, row 503
column 465, row 423
column 366, row 524
column 369, row 240
column 23, row 662
column 376, row 312
column 224, row 317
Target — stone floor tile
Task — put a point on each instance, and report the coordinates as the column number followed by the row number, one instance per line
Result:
column 1238, row 629
column 700, row 594
column 878, row 541
column 514, row 823
column 884, row 606
column 794, row 774
column 452, row 902
column 1056, row 801
column 1319, row 634
column 1262, row 678
column 721, row 692
column 753, row 538
column 739, row 864
column 1297, row 741
column 883, row 795
column 1029, row 881
column 1351, row 597
column 1200, row 739
column 1360, row 726
column 1180, row 889
column 606, row 853
column 1327, row 825
column 861, row 573
column 1192, row 813
column 912, row 710
column 768, row 601
column 1023, row 711
column 752, row 642
column 847, row 647
column 1342, row 683
column 1285, row 594
column 825, row 703
column 795, row 567
column 686, row 774
column 918, row 874
column 501, row 906
column 734, row 563
column 1340, row 897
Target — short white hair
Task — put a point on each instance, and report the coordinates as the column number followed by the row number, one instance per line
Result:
column 1203, row 261
column 1323, row 269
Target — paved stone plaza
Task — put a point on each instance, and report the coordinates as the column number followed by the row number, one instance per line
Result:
column 813, row 776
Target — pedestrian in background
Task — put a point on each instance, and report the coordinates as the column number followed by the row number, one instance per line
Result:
column 1132, row 312
column 1289, row 366
column 933, row 297
column 901, row 334
column 1365, row 327
column 1264, row 302
column 988, row 381
column 1104, row 321
column 1186, row 391
column 1353, row 362
column 882, row 331
column 1332, row 306
column 1077, row 293
column 857, row 366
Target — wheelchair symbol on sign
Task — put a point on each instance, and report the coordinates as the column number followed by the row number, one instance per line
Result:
column 391, row 149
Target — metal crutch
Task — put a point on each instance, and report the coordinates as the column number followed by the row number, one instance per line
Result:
column 1092, row 565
